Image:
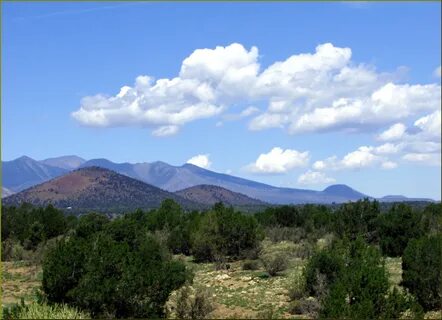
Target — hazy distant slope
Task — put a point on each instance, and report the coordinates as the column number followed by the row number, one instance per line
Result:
column 96, row 189
column 6, row 192
column 65, row 162
column 210, row 195
column 400, row 198
column 344, row 191
column 174, row 178
column 24, row 172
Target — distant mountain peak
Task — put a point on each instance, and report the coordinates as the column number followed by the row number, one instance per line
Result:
column 96, row 189
column 210, row 194
column 24, row 172
column 344, row 191
column 24, row 158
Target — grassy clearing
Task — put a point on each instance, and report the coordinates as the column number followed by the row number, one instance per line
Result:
column 239, row 293
column 19, row 281
column 394, row 267
column 236, row 293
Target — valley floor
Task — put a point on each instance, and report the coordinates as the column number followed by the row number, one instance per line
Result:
column 235, row 293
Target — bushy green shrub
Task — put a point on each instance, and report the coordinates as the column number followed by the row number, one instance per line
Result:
column 431, row 221
column 396, row 227
column 30, row 226
column 63, row 268
column 224, row 232
column 89, row 224
column 361, row 288
column 321, row 271
column 421, row 265
column 357, row 219
column 119, row 271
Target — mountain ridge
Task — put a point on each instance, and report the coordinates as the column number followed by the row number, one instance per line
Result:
column 174, row 178
column 25, row 172
column 96, row 189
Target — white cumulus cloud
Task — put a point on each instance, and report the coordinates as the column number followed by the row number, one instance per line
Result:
column 165, row 131
column 201, row 160
column 395, row 132
column 363, row 157
column 432, row 159
column 208, row 80
column 430, row 125
column 279, row 161
column 306, row 92
column 314, row 177
column 388, row 148
column 387, row 165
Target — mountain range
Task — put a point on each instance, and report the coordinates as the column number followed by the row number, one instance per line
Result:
column 25, row 172
column 96, row 189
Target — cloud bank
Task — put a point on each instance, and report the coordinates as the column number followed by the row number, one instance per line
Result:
column 278, row 161
column 313, row 178
column 307, row 92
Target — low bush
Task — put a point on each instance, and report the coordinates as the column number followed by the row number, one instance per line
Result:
column 274, row 263
column 251, row 265
column 322, row 270
column 12, row 250
column 304, row 250
column 297, row 287
column 306, row 306
column 421, row 265
column 189, row 303
column 269, row 312
column 278, row 234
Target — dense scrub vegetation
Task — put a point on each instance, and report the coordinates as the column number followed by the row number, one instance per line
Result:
column 125, row 266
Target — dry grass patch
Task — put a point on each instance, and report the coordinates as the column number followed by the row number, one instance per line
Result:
column 394, row 267
column 19, row 280
column 238, row 293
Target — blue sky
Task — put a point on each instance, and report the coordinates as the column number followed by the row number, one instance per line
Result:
column 291, row 94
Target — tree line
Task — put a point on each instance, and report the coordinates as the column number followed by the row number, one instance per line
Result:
column 125, row 267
